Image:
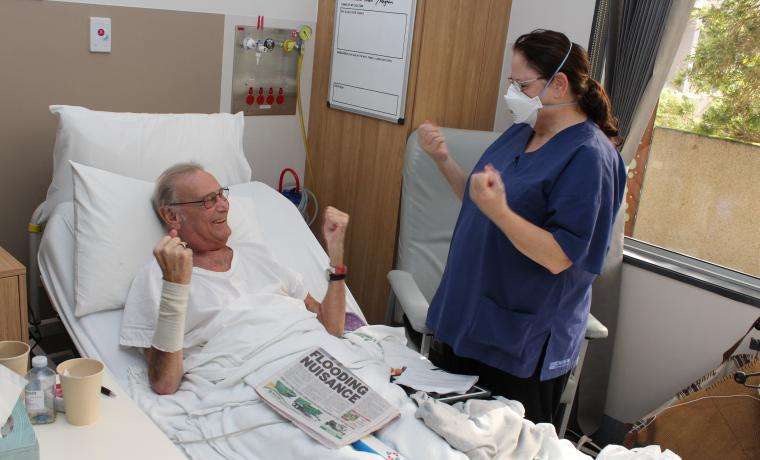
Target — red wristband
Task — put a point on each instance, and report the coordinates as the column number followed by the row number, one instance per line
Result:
column 340, row 270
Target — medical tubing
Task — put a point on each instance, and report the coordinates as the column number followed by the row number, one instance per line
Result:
column 299, row 106
column 316, row 205
column 229, row 435
column 170, row 328
column 304, row 137
column 303, row 204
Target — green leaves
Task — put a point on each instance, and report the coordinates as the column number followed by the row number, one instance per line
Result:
column 723, row 71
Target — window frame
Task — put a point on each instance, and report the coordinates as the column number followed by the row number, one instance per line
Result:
column 720, row 280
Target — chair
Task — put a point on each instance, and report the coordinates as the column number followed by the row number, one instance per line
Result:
column 429, row 209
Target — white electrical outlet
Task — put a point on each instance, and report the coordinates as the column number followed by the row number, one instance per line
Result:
column 100, row 35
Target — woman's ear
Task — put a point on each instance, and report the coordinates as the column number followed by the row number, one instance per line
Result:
column 170, row 217
column 560, row 86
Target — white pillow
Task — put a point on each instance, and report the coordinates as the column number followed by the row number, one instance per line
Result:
column 142, row 146
column 116, row 230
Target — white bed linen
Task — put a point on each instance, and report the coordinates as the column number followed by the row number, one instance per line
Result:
column 97, row 335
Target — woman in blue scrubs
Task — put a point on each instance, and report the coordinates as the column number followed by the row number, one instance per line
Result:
column 533, row 230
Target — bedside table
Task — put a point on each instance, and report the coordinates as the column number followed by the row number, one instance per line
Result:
column 13, row 313
column 123, row 432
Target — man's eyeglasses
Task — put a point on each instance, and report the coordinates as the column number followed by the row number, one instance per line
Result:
column 209, row 201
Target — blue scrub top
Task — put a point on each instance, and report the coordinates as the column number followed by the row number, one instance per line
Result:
column 496, row 305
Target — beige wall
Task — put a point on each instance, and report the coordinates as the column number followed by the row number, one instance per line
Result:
column 161, row 61
column 701, row 197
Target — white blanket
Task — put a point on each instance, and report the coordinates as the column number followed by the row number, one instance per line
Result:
column 498, row 430
column 494, row 429
column 217, row 414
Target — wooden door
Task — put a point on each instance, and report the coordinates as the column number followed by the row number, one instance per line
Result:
column 356, row 161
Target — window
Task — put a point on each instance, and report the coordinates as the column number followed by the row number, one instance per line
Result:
column 694, row 184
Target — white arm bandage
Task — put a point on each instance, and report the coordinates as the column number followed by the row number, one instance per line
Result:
column 170, row 328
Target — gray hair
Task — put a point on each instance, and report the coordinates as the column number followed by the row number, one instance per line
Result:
column 164, row 193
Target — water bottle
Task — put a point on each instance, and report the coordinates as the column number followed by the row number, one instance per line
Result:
column 40, row 392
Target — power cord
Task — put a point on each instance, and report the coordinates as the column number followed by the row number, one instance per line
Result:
column 693, row 401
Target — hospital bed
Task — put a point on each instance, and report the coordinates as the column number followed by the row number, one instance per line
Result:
column 429, row 211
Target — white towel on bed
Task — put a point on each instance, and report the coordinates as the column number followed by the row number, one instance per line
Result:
column 493, row 429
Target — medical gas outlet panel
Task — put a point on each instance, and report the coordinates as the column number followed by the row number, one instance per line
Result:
column 266, row 69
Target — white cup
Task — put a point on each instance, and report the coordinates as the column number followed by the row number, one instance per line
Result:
column 81, row 379
column 15, row 356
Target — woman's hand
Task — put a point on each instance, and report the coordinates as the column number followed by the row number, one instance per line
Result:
column 432, row 142
column 488, row 193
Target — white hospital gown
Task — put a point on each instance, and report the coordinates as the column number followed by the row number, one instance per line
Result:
column 253, row 271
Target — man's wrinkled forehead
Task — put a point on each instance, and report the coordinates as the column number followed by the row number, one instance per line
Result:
column 195, row 186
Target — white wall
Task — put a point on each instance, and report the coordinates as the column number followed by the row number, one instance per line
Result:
column 271, row 142
column 571, row 17
column 669, row 334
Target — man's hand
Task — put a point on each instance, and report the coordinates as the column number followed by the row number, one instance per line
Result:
column 432, row 142
column 334, row 232
column 488, row 193
column 174, row 258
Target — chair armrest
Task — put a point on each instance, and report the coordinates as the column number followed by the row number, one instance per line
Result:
column 595, row 329
column 410, row 298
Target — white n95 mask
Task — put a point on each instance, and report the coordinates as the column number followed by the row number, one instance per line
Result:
column 524, row 109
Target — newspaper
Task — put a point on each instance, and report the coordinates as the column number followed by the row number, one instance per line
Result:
column 326, row 400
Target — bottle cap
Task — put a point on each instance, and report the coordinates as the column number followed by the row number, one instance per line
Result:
column 39, row 361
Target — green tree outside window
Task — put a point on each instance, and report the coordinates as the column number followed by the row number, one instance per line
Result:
column 725, row 67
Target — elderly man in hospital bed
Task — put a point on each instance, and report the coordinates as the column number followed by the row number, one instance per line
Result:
column 193, row 208
column 217, row 318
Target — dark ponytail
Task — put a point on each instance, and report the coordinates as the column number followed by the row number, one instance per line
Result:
column 596, row 105
column 544, row 51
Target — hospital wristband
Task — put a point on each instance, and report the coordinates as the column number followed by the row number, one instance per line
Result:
column 170, row 327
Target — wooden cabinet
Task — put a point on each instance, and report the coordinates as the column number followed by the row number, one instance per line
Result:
column 13, row 312
column 356, row 161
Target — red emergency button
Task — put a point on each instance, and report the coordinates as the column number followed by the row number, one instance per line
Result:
column 101, row 32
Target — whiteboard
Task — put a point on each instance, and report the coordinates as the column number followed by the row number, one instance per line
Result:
column 372, row 43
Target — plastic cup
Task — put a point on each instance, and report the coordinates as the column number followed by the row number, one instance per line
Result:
column 80, row 380
column 15, row 356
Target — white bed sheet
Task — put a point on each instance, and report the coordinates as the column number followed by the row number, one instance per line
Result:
column 97, row 335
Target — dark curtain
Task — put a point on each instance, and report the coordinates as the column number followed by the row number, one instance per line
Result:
column 635, row 32
column 597, row 42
